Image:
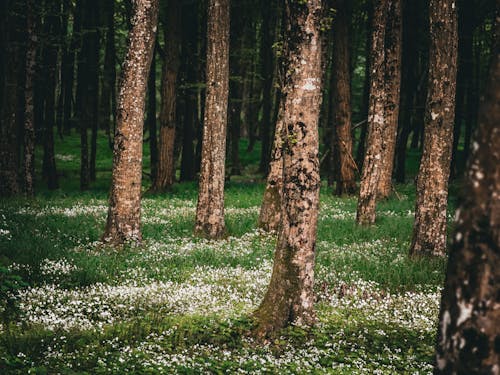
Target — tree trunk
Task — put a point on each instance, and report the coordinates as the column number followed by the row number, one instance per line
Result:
column 124, row 213
column 9, row 178
column 29, row 126
column 270, row 210
column 392, row 91
column 372, row 164
column 290, row 296
column 64, row 68
column 210, row 208
column 93, row 86
column 166, row 162
column 151, row 120
column 429, row 232
column 469, row 329
column 345, row 169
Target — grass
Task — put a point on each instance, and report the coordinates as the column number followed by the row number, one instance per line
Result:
column 179, row 304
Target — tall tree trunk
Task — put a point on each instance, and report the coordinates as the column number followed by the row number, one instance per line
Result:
column 210, row 207
column 9, row 163
column 290, row 296
column 50, row 62
column 93, row 87
column 469, row 329
column 63, row 41
column 166, row 162
column 372, row 164
column 429, row 232
column 345, row 170
column 29, row 126
column 266, row 55
column 392, row 90
column 124, row 213
column 151, row 120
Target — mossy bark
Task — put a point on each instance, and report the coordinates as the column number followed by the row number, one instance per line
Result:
column 469, row 323
column 290, row 297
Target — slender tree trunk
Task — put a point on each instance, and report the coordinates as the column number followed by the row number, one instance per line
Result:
column 290, row 296
column 469, row 329
column 9, row 163
column 372, row 164
column 166, row 162
column 93, row 87
column 392, row 90
column 124, row 214
column 63, row 37
column 50, row 60
column 29, row 126
column 151, row 120
column 210, row 208
column 345, row 170
column 429, row 232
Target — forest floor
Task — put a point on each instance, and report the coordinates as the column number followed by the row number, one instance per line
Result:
column 179, row 304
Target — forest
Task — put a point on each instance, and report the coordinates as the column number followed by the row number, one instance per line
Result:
column 251, row 187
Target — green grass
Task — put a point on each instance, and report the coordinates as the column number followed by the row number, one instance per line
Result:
column 179, row 304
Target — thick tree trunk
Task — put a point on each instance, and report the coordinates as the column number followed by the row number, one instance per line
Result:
column 392, row 91
column 124, row 214
column 165, row 177
column 270, row 210
column 210, row 208
column 372, row 164
column 29, row 126
column 345, row 170
column 469, row 323
column 9, row 163
column 429, row 232
column 290, row 296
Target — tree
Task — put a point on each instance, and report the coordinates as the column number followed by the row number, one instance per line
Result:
column 165, row 175
column 372, row 164
column 290, row 296
column 210, row 207
column 123, row 222
column 469, row 329
column 392, row 91
column 429, row 231
column 346, row 166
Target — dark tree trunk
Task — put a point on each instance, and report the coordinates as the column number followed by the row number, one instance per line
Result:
column 29, row 126
column 9, row 161
column 210, row 207
column 50, row 62
column 429, row 233
column 65, row 60
column 266, row 55
column 342, row 151
column 124, row 214
column 372, row 164
column 166, row 156
column 290, row 296
column 469, row 329
column 151, row 120
column 392, row 90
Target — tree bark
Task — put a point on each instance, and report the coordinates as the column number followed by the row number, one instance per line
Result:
column 166, row 162
column 372, row 164
column 290, row 296
column 392, row 91
column 469, row 329
column 342, row 151
column 29, row 126
column 124, row 213
column 151, row 120
column 210, row 207
column 429, row 232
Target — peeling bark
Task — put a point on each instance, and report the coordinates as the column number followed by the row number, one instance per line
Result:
column 124, row 213
column 429, row 231
column 469, row 324
column 210, row 207
column 392, row 90
column 372, row 164
column 290, row 297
